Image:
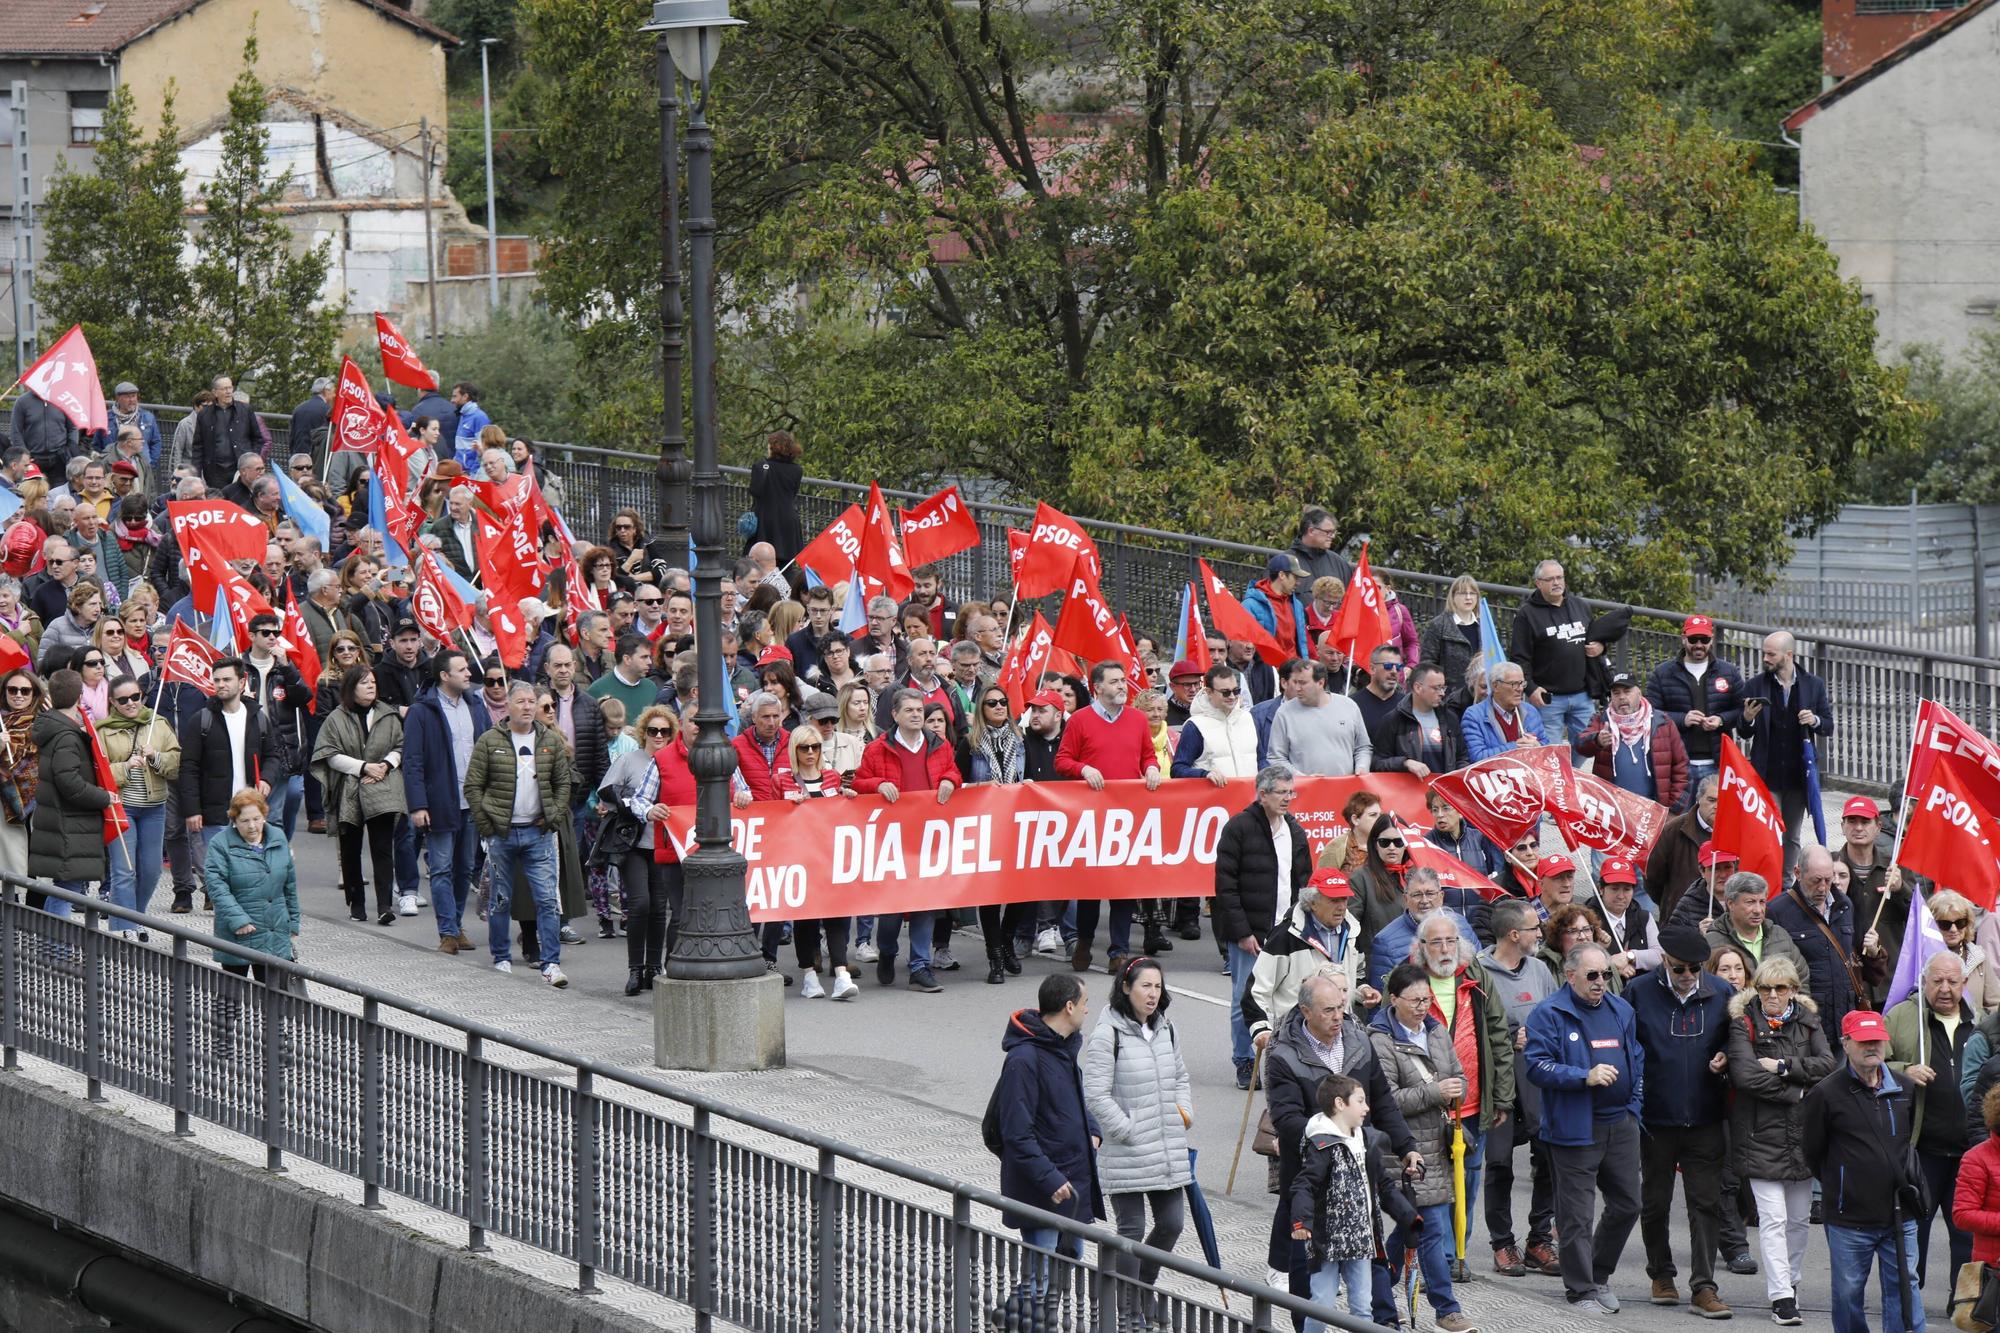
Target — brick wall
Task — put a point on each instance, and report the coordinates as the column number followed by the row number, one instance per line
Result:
column 465, row 259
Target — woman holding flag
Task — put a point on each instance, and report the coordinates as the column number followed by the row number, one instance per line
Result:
column 66, row 832
column 145, row 755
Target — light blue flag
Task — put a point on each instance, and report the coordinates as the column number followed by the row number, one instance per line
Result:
column 378, row 518
column 1489, row 638
column 729, row 702
column 221, row 629
column 812, row 580
column 1181, row 624
column 300, row 508
column 854, row 615
column 471, row 595
column 10, row 504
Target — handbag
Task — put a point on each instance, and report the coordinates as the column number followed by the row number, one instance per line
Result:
column 1975, row 1298
column 1265, row 1142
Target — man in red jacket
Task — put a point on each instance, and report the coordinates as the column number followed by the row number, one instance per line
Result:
column 1107, row 742
column 762, row 748
column 907, row 759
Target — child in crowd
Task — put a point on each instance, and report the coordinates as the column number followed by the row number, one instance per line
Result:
column 1339, row 1196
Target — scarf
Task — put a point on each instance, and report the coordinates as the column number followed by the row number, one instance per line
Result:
column 1635, row 728
column 1002, row 747
column 130, row 535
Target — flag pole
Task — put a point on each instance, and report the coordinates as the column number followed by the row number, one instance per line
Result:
column 1902, row 825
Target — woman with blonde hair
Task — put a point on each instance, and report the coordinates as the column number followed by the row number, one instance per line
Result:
column 808, row 778
column 625, row 840
column 853, row 728
column 784, row 617
column 1323, row 606
column 121, row 660
column 1451, row 640
column 1959, row 921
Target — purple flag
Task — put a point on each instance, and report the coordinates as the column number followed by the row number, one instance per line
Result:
column 1921, row 939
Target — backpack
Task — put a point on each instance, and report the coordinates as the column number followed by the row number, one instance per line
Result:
column 989, row 1124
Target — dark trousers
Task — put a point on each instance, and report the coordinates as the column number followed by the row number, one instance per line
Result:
column 1737, row 1204
column 647, row 909
column 1695, row 1151
column 1120, row 930
column 1589, row 1245
column 806, row 936
column 998, row 922
column 315, row 794
column 381, row 832
column 1941, row 1174
column 1501, row 1141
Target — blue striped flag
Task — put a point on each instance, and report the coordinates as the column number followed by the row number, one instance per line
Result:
column 378, row 511
column 303, row 510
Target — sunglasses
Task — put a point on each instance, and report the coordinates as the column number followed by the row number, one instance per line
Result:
column 1683, row 969
column 1956, row 923
column 659, row 731
column 995, row 703
column 651, row 601
column 118, row 699
column 1699, row 638
column 93, row 661
column 1391, row 842
column 1595, row 976
column 495, row 682
column 119, row 630
column 266, row 633
column 1768, row 988
column 809, row 749
column 23, row 690
column 1230, row 694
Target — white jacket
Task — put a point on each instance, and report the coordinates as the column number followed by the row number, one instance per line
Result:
column 1135, row 1085
column 1228, row 741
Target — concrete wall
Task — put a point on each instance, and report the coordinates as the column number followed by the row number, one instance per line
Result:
column 463, row 303
column 49, row 84
column 1898, row 177
column 320, row 1260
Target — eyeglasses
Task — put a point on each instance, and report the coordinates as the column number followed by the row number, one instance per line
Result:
column 119, row 630
column 1594, row 976
column 1425, row 998
column 118, row 698
column 1390, row 666
column 659, row 731
column 1955, row 923
column 1770, row 988
column 622, row 527
column 809, row 749
column 339, row 648
column 1683, row 969
column 55, row 560
column 1231, row 694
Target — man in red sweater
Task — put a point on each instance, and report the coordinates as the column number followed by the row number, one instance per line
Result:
column 1106, row 742
column 906, row 759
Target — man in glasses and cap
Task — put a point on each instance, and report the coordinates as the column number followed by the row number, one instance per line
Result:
column 1583, row 1052
column 1700, row 693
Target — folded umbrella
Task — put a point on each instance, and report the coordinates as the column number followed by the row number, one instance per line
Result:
column 1204, row 1223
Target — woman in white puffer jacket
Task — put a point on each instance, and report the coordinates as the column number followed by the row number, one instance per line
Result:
column 1135, row 1085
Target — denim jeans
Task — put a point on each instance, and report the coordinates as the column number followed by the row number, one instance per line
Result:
column 1569, row 712
column 59, row 906
column 1241, row 960
column 143, row 840
column 1852, row 1250
column 1336, row 1277
column 1433, row 1256
column 1475, row 1169
column 407, row 846
column 889, row 925
column 1039, row 1266
column 1699, row 770
column 285, row 804
column 452, row 856
column 535, row 850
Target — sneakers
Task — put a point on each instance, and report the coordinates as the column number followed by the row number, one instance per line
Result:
column 1605, row 1300
column 1541, row 1258
column 1243, row 1068
column 1785, row 1312
column 1598, row 1300
column 1666, row 1293
column 843, row 985
column 809, row 987
column 1048, row 944
column 1456, row 1322
column 554, row 976
column 1742, row 1264
column 865, row 952
column 504, row 967
column 406, row 905
column 922, row 980
column 569, row 936
column 1708, row 1305
column 942, row 961
column 1507, row 1262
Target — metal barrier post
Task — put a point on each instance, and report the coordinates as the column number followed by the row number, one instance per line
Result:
column 475, row 1144
column 10, row 979
column 182, row 984
column 826, row 1244
column 372, row 1116
column 93, row 1008
column 274, row 1077
column 1105, row 1281
column 701, row 1213
column 588, row 1110
column 962, row 1314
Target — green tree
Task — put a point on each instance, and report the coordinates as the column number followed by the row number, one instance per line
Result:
column 1751, row 63
column 257, row 300
column 113, row 262
column 1439, row 317
column 1957, row 459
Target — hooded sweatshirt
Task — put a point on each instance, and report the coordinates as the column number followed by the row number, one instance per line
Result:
column 1548, row 644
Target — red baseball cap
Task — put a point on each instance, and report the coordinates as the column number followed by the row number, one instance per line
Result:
column 32, row 473
column 1554, row 864
column 1864, row 1025
column 1046, row 699
column 777, row 652
column 1860, row 807
column 1711, row 855
column 1331, row 883
column 1697, row 625
column 1618, row 870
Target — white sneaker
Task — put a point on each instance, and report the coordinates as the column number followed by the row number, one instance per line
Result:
column 843, row 985
column 865, row 952
column 406, row 905
column 809, row 987
column 505, row 967
column 1049, row 943
column 554, row 976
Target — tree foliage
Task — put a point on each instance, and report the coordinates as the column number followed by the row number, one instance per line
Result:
column 1957, row 458
column 1751, row 63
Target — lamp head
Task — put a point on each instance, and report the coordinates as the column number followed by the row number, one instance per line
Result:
column 693, row 29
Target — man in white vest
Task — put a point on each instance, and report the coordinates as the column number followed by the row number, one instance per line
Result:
column 1219, row 741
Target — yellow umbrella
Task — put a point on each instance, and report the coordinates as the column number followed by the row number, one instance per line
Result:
column 1458, row 1186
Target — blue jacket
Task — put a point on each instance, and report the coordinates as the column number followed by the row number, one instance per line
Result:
column 1391, row 944
column 1482, row 734
column 431, row 780
column 472, row 419
column 1679, row 1039
column 1257, row 601
column 149, row 431
column 1045, row 1129
column 253, row 888
column 1565, row 1038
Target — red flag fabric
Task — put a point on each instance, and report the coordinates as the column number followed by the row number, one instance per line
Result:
column 1747, row 820
column 1610, row 819
column 303, row 655
column 1949, row 834
column 190, row 659
column 1021, row 673
column 1362, row 623
column 881, row 560
column 357, row 418
column 1088, row 626
column 1195, row 635
column 403, row 513
column 1505, row 796
column 1136, row 669
column 65, row 377
column 1054, row 544
column 1451, row 872
column 400, row 361
column 434, row 603
column 510, row 563
column 941, row 526
column 510, row 631
column 1941, row 733
column 1017, row 551
column 211, row 533
column 835, row 552
column 1232, row 621
column 245, row 603
column 116, row 821
column 13, row 657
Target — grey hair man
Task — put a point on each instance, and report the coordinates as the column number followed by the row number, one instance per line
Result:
column 1523, row 981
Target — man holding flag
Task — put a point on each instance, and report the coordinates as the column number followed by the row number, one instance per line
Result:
column 67, row 831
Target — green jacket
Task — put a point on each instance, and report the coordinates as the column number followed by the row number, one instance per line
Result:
column 1906, row 1043
column 253, row 888
column 489, row 778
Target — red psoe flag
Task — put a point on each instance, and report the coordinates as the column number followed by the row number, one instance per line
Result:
column 1193, row 635
column 65, row 377
column 13, row 657
column 1232, row 621
column 939, row 527
column 116, row 821
column 1941, row 733
column 400, row 361
column 434, row 602
column 1017, row 551
column 1026, row 660
column 1088, row 626
column 1506, row 795
column 1362, row 623
column 1747, row 820
column 881, row 560
column 211, row 533
column 245, row 604
column 357, row 418
column 835, row 552
column 303, row 655
column 190, row 659
column 1054, row 544
column 1950, row 832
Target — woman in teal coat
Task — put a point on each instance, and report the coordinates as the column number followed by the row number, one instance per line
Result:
column 254, row 884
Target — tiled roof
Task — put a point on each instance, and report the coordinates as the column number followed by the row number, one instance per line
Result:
column 99, row 27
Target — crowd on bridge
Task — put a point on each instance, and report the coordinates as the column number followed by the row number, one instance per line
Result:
column 1626, row 1023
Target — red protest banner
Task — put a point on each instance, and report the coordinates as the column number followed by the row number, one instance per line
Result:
column 1506, row 795
column 1747, row 820
column 1610, row 819
column 834, row 553
column 1232, row 621
column 400, row 361
column 941, row 526
column 1054, row 543
column 1019, row 843
column 1950, row 829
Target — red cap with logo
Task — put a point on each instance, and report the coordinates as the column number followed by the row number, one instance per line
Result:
column 1331, row 883
column 1617, row 870
column 1046, row 699
column 1554, row 864
column 1711, row 855
column 1864, row 1025
column 1860, row 807
column 1694, row 625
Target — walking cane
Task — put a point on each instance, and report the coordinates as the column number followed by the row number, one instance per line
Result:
column 1249, row 1100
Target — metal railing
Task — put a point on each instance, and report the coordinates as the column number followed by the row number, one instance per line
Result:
column 644, row 1188
column 1874, row 685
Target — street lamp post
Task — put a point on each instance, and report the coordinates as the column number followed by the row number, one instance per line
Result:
column 675, row 468
column 492, row 228
column 717, row 1007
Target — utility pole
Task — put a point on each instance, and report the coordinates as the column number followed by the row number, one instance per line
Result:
column 24, row 235
column 492, row 228
column 430, row 244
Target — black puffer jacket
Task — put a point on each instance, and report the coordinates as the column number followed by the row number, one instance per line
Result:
column 1767, row 1116
column 1400, row 739
column 1246, row 874
column 66, row 830
column 1832, row 985
column 1445, row 645
column 1719, row 693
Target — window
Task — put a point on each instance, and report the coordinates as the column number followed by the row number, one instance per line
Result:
column 86, row 116
column 1862, row 7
